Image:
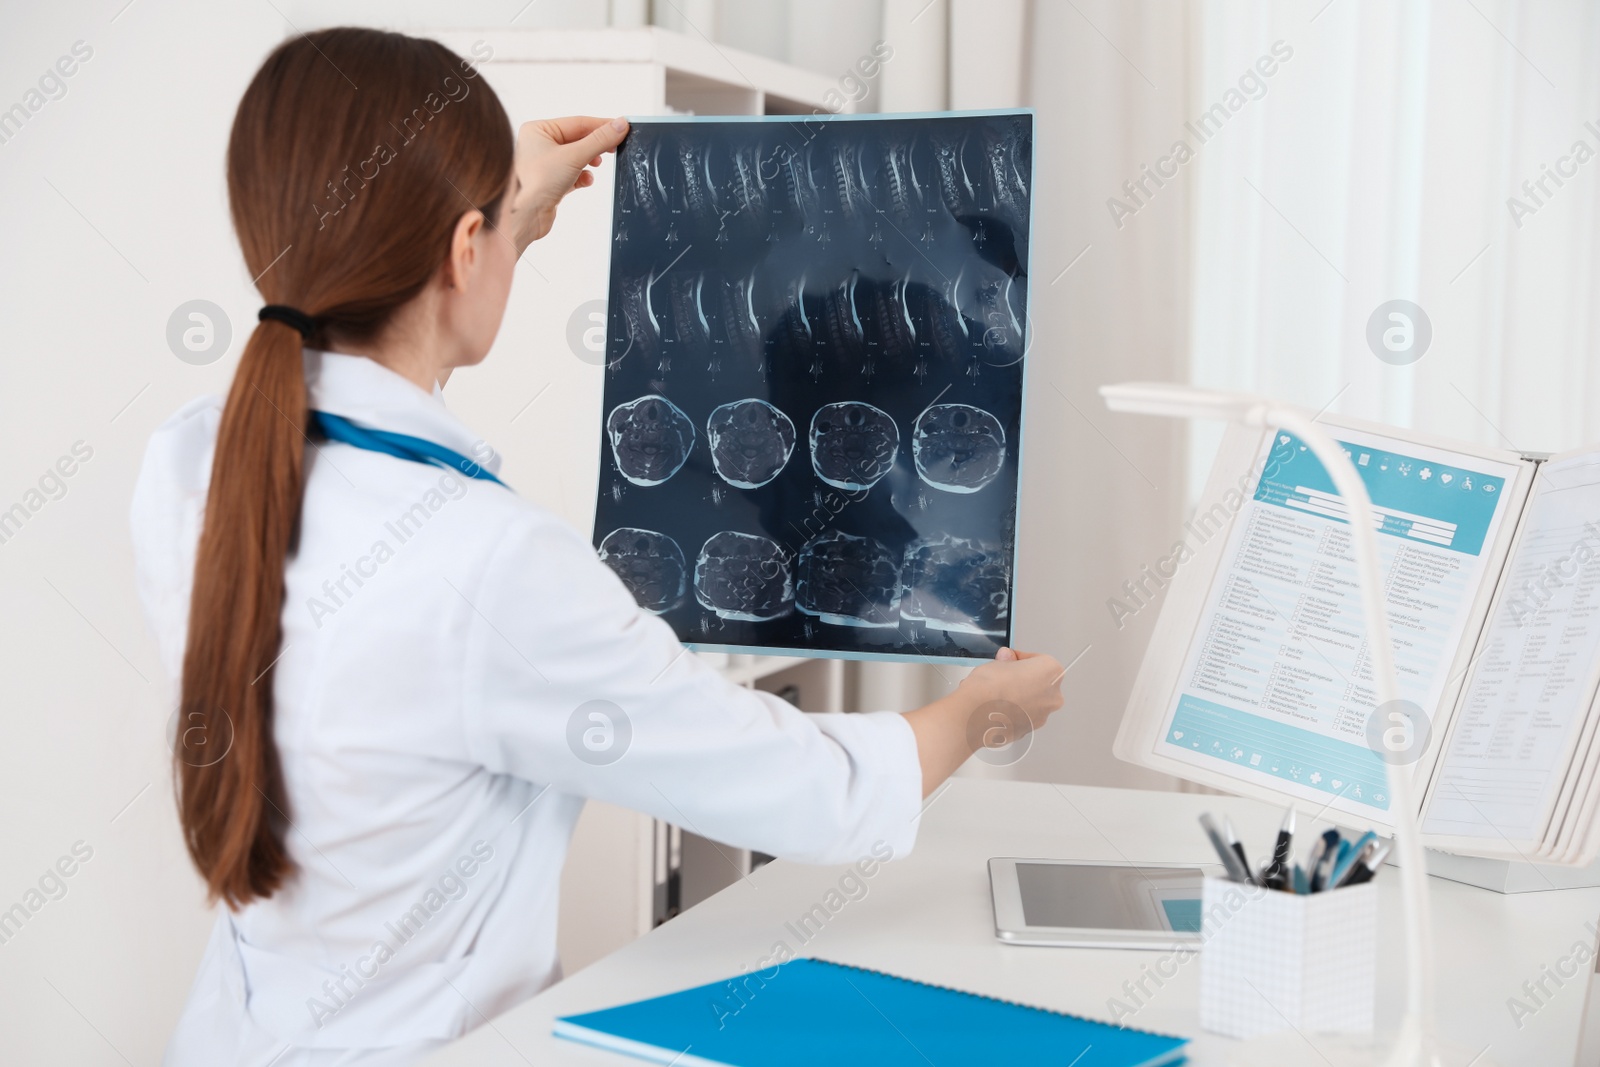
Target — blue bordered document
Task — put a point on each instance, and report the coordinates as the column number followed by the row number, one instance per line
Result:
column 808, row 1012
column 1258, row 678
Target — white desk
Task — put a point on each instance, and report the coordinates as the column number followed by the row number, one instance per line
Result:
column 928, row 917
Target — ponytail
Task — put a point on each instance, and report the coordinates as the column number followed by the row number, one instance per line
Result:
column 230, row 785
column 320, row 234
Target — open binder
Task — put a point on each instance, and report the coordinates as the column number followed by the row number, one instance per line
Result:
column 1257, row 678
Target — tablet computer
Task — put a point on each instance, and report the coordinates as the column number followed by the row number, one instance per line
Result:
column 1090, row 904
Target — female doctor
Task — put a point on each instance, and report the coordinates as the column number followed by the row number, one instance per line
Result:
column 385, row 654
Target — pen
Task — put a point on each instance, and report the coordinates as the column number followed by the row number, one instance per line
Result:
column 1347, row 861
column 1334, row 862
column 1330, row 853
column 1313, row 858
column 1301, row 883
column 1230, row 862
column 1238, row 848
column 1276, row 874
column 1357, row 860
column 1365, row 871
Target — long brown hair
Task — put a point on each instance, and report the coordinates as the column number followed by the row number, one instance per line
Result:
column 353, row 154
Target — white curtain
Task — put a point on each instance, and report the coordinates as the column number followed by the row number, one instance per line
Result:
column 1339, row 155
column 1383, row 164
column 1101, row 494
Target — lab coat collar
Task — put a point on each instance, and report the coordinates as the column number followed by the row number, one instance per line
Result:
column 373, row 396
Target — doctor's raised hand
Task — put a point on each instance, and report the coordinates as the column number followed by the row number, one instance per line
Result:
column 553, row 158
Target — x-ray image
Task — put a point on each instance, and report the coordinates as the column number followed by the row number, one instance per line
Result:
column 958, row 585
column 650, row 439
column 958, row 448
column 743, row 577
column 849, row 581
column 853, row 444
column 815, row 349
column 750, row 442
column 650, row 564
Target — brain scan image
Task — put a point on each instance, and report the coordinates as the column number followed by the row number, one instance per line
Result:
column 639, row 319
column 853, row 444
column 740, row 324
column 1002, row 342
column 956, row 186
column 688, row 310
column 953, row 340
column 740, row 193
column 848, row 581
column 816, row 362
column 694, row 164
column 743, row 577
column 800, row 197
column 847, row 179
column 842, row 320
column 650, row 564
column 650, row 439
column 1005, row 152
column 958, row 448
column 751, row 441
column 639, row 180
column 957, row 585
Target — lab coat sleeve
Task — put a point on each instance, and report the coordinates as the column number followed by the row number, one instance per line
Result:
column 569, row 684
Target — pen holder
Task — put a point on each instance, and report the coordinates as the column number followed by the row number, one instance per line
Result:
column 1274, row 960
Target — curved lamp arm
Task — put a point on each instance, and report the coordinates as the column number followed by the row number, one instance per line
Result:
column 1416, row 1043
column 1415, row 1040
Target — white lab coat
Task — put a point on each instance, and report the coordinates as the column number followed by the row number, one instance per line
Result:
column 439, row 635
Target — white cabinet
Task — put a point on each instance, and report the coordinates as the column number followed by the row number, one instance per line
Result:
column 538, row 399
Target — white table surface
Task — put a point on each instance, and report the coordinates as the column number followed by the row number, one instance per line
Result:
column 928, row 917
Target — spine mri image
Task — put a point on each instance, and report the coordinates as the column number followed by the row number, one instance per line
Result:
column 816, row 337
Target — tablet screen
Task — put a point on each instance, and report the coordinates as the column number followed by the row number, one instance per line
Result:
column 1110, row 897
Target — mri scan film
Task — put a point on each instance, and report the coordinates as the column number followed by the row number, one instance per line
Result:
column 815, row 348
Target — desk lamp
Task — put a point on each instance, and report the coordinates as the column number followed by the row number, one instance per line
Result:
column 1416, row 1044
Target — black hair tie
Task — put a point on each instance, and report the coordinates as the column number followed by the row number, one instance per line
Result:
column 292, row 317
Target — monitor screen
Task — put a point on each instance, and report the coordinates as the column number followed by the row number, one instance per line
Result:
column 1110, row 897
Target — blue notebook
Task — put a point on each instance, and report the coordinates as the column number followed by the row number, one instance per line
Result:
column 812, row 1011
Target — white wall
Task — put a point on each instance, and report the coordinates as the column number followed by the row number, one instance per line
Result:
column 1108, row 80
column 113, row 210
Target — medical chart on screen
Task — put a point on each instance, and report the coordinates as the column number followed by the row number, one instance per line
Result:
column 1278, row 683
column 813, row 383
column 1534, row 679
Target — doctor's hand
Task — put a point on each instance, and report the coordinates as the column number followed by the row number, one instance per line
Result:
column 1011, row 695
column 552, row 159
column 1027, row 681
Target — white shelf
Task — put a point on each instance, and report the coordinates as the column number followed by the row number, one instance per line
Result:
column 696, row 71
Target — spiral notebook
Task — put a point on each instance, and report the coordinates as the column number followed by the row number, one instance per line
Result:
column 811, row 1011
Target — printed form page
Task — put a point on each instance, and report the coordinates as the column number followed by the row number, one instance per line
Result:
column 1277, row 686
column 1534, row 679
